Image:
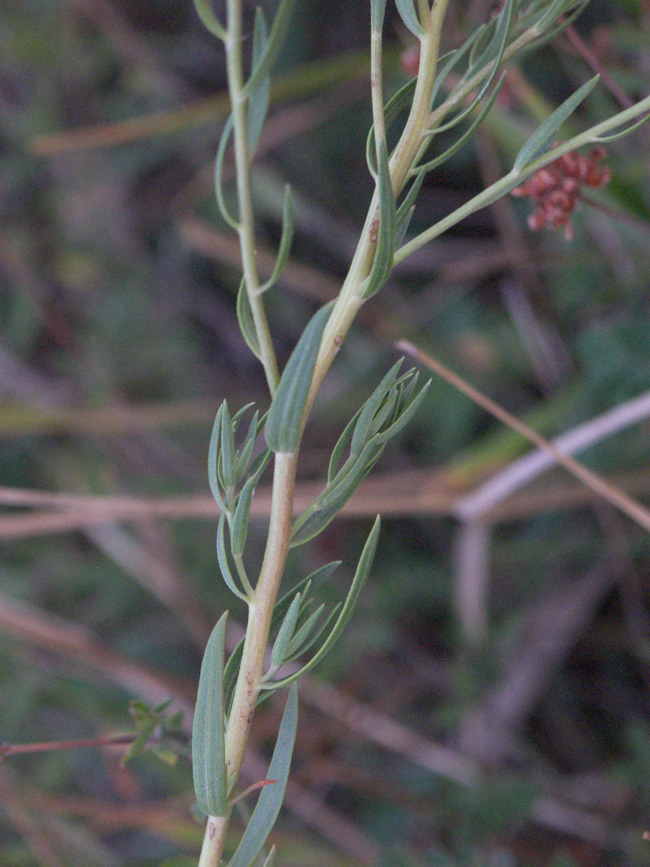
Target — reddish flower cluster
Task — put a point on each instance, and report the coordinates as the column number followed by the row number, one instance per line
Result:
column 556, row 188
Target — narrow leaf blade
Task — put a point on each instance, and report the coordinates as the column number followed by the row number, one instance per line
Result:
column 542, row 140
column 268, row 805
column 208, row 742
column 409, row 16
column 283, row 424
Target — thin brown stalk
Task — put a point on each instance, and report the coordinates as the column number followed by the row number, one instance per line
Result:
column 596, row 483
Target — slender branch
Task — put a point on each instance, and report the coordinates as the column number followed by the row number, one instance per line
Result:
column 473, row 506
column 239, row 105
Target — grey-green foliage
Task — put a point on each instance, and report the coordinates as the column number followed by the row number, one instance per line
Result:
column 386, row 412
column 465, row 89
column 208, row 732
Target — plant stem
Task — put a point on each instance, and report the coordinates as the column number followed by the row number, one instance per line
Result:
column 251, row 669
column 239, row 105
column 343, row 313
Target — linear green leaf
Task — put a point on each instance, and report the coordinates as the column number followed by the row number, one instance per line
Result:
column 272, row 48
column 222, row 558
column 243, row 459
column 285, row 241
column 383, row 260
column 286, row 633
column 246, row 321
column 227, row 467
column 370, row 408
column 218, row 174
column 409, row 16
column 360, row 577
column 284, row 421
column 239, row 529
column 208, row 748
column 315, row 580
column 209, row 19
column 258, row 102
column 213, row 459
column 270, row 800
column 542, row 140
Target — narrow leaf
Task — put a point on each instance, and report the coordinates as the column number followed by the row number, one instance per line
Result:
column 393, row 107
column 285, row 634
column 405, row 416
column 272, row 48
column 284, row 421
column 209, row 19
column 542, row 140
column 246, row 321
column 296, row 645
column 218, row 174
column 243, row 459
column 409, row 16
column 239, row 529
column 285, row 241
column 227, row 468
column 270, row 859
column 458, row 144
column 383, row 260
column 222, row 557
column 208, row 748
column 360, row 577
column 258, row 101
column 316, row 579
column 213, row 457
column 270, row 800
column 370, row 408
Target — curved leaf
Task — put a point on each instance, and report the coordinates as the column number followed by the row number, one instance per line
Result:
column 542, row 140
column 409, row 16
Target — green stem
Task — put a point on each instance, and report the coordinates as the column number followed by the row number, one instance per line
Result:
column 239, row 105
column 251, row 669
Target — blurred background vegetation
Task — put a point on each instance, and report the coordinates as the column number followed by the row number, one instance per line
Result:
column 490, row 706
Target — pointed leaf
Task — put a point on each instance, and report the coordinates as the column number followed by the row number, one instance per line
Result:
column 218, row 174
column 270, row 800
column 542, row 140
column 258, row 102
column 243, row 459
column 285, row 634
column 360, row 577
column 208, row 747
column 285, row 241
column 272, row 48
column 222, row 557
column 239, row 529
column 404, row 418
column 383, row 260
column 209, row 19
column 284, row 421
column 213, row 457
column 246, row 321
column 406, row 9
column 370, row 408
column 270, row 859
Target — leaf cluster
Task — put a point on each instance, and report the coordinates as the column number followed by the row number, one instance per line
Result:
column 156, row 731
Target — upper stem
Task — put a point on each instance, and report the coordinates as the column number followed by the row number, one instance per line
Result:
column 239, row 105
